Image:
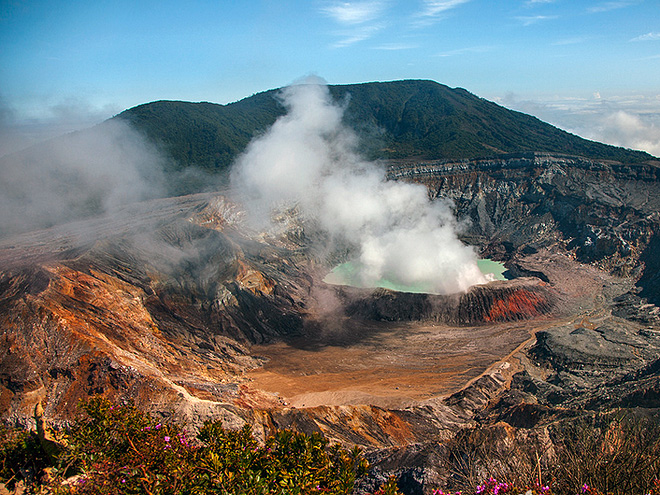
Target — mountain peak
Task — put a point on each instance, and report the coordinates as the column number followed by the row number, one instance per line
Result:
column 401, row 119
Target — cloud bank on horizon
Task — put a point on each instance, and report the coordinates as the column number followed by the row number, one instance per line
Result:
column 307, row 159
column 632, row 121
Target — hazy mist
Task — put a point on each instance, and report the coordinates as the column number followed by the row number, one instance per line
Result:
column 76, row 176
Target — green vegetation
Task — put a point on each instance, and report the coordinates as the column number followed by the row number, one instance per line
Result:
column 114, row 449
column 22, row 457
column 400, row 119
column 204, row 135
column 120, row 450
column 432, row 121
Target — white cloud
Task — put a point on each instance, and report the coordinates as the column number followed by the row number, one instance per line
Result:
column 22, row 128
column 607, row 6
column 530, row 3
column 359, row 33
column 395, row 46
column 647, row 37
column 392, row 229
column 435, row 7
column 350, row 13
column 631, row 131
column 360, row 19
column 533, row 19
column 463, row 51
column 631, row 121
column 85, row 173
column 434, row 10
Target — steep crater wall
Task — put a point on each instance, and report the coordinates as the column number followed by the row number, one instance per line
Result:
column 604, row 213
column 157, row 308
column 494, row 302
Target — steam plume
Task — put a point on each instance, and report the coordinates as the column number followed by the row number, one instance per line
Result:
column 309, row 158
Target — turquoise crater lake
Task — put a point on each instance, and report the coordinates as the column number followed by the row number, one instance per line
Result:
column 346, row 274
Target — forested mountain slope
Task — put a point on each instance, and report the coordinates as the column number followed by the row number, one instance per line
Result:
column 399, row 119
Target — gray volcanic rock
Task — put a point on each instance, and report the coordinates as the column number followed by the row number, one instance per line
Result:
column 650, row 279
column 605, row 213
column 585, row 346
column 603, row 352
column 584, row 361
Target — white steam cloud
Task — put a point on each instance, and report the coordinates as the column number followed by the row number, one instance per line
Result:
column 308, row 158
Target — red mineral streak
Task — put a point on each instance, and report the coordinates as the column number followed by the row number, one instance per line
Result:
column 515, row 306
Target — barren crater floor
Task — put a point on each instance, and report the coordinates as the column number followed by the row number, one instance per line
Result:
column 393, row 366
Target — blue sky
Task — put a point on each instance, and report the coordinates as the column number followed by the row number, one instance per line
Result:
column 590, row 66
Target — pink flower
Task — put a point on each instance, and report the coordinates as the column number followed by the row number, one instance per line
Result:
column 167, row 439
column 585, row 488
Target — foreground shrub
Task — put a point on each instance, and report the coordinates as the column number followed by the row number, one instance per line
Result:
column 609, row 453
column 289, row 462
column 613, row 453
column 21, row 457
column 114, row 449
column 120, row 450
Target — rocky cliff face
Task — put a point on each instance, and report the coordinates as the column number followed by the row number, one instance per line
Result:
column 601, row 219
column 499, row 301
column 159, row 303
column 603, row 213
